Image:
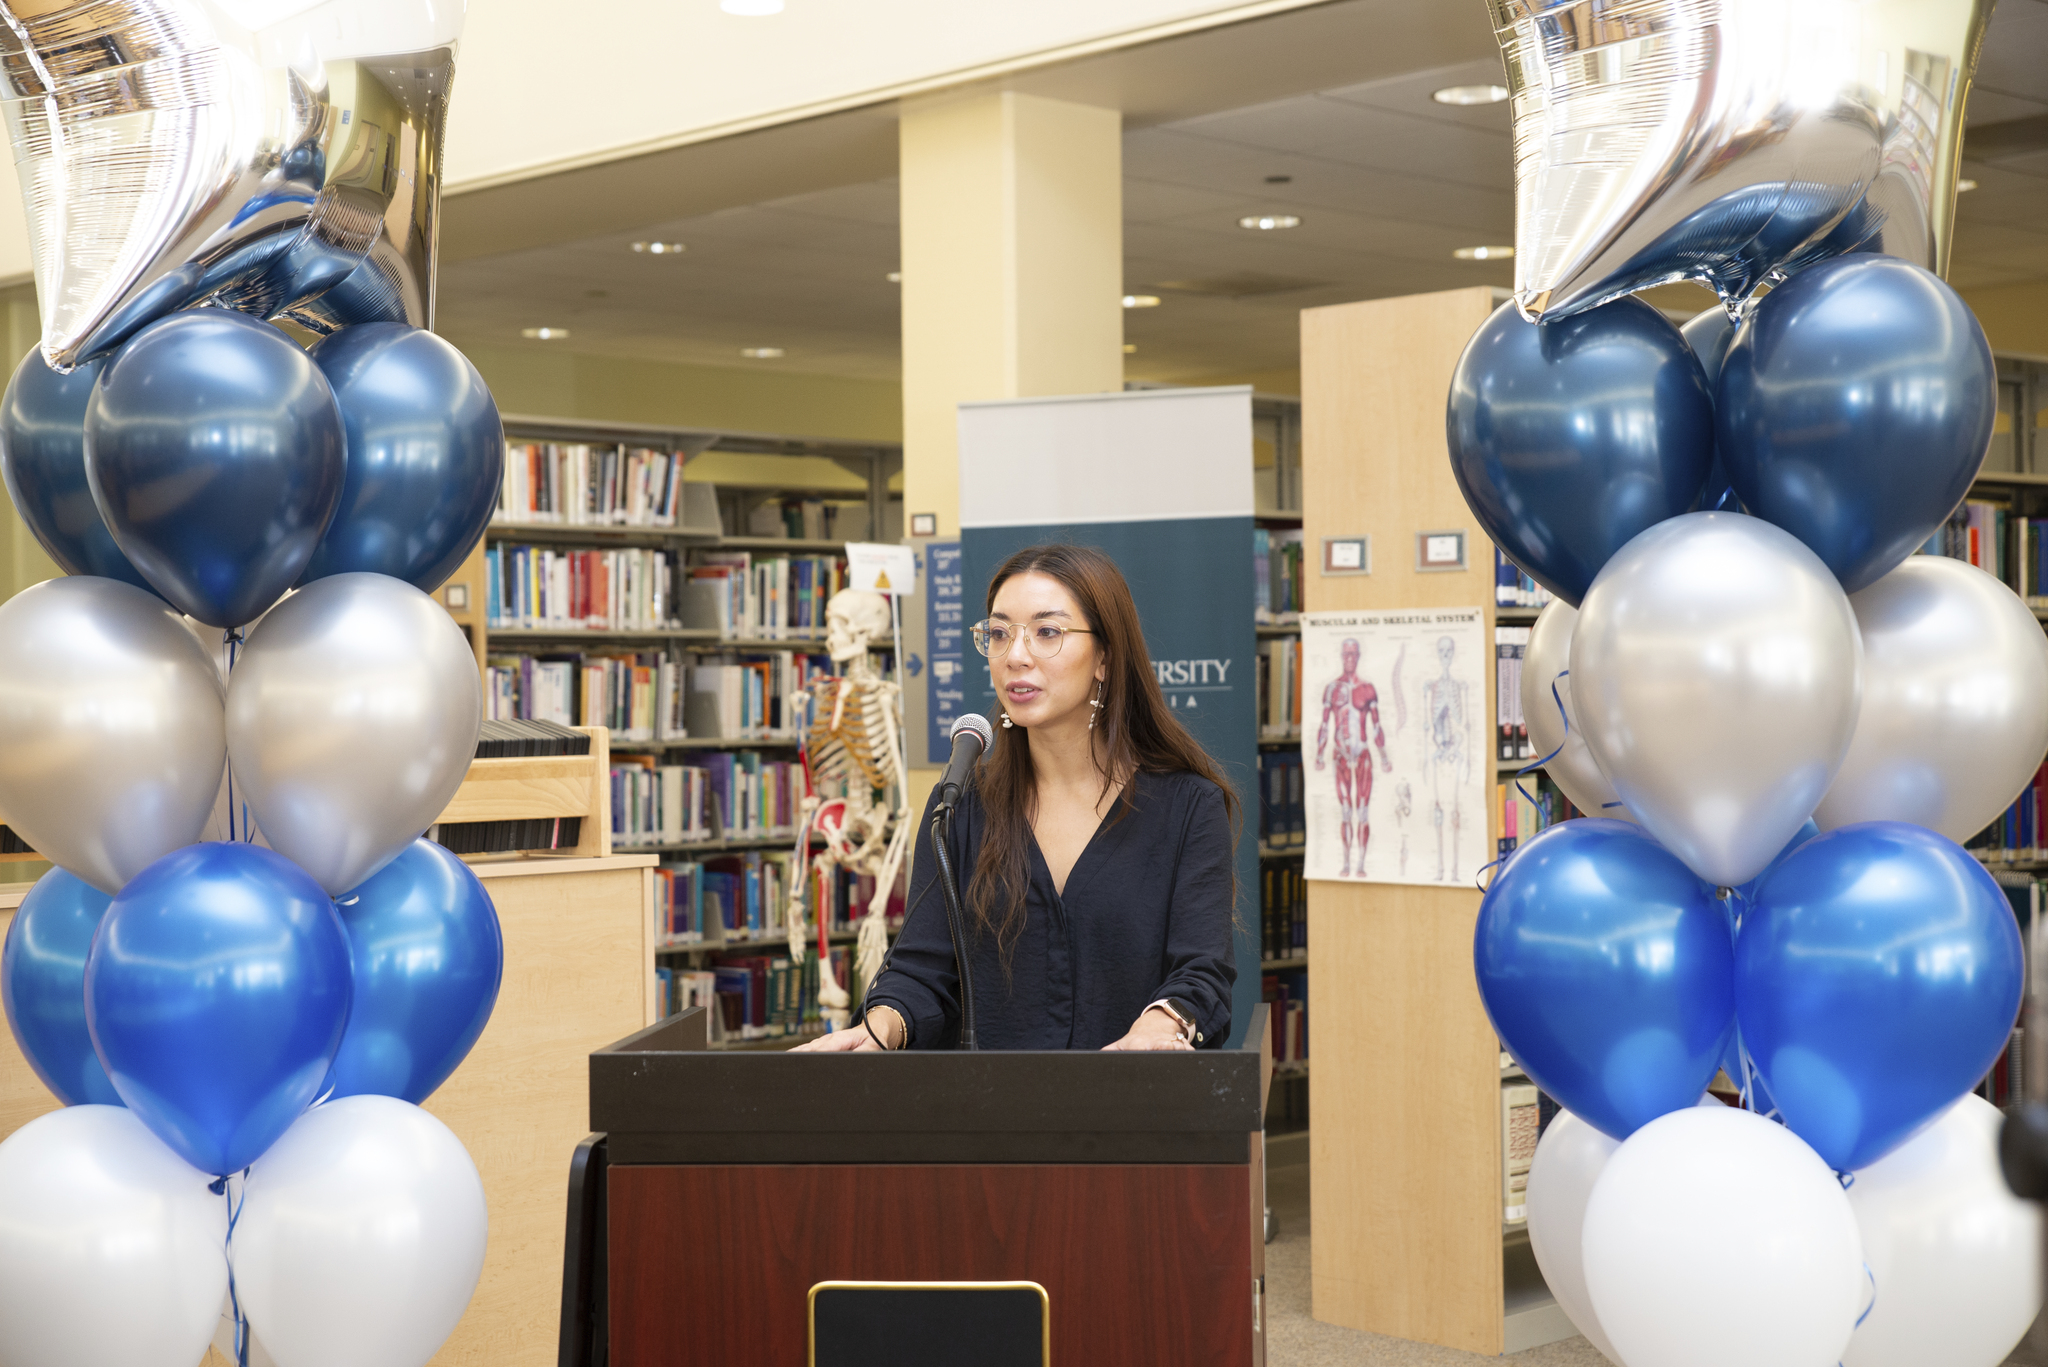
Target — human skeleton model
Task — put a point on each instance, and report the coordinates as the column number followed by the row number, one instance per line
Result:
column 852, row 747
column 1351, row 707
column 1450, row 751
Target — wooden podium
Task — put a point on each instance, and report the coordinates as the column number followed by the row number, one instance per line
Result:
column 722, row 1186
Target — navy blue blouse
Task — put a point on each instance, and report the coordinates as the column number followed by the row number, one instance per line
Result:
column 1146, row 914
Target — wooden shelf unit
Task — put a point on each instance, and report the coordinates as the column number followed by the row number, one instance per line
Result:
column 1405, row 1146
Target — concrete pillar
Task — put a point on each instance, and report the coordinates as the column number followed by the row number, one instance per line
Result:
column 1012, row 224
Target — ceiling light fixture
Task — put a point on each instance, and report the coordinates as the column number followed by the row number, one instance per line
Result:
column 544, row 334
column 1266, row 223
column 761, row 353
column 1141, row 301
column 895, row 277
column 1483, row 253
column 751, row 9
column 1130, row 347
column 658, row 248
column 1963, row 185
column 1470, row 94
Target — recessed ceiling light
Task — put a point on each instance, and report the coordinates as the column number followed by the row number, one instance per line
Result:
column 1470, row 94
column 761, row 353
column 1130, row 347
column 1962, row 185
column 544, row 334
column 752, row 9
column 1266, row 223
column 1141, row 301
column 895, row 277
column 1483, row 253
column 658, row 248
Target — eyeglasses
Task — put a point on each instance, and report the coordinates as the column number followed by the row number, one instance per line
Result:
column 997, row 638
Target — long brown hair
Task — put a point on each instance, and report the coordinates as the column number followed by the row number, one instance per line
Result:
column 1134, row 733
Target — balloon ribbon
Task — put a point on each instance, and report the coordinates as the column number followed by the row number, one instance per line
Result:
column 219, row 1186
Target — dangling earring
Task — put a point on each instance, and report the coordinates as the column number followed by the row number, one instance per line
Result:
column 1096, row 703
column 1006, row 721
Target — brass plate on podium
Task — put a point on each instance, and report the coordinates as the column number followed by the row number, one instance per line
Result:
column 930, row 1324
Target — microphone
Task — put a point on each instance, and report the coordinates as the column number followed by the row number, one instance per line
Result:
column 971, row 736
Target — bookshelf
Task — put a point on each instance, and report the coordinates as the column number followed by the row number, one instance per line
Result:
column 637, row 508
column 1409, row 1098
column 1277, row 559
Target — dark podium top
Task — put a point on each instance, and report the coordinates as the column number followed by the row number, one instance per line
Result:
column 662, row 1096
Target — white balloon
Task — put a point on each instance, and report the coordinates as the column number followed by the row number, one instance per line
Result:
column 110, row 1246
column 1546, row 668
column 1955, row 701
column 361, row 1237
column 1956, row 1257
column 1716, row 668
column 1716, row 1236
column 1569, row 1159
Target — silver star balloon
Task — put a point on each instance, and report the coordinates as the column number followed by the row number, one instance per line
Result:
column 1729, row 142
column 278, row 157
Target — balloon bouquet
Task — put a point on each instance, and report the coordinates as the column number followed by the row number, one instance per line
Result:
column 1783, row 718
column 241, row 1029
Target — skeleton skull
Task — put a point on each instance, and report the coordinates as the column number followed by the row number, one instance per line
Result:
column 856, row 621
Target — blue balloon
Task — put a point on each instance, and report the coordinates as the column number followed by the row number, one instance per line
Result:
column 1799, row 837
column 42, row 458
column 216, row 456
column 428, row 956
column 42, row 981
column 1854, row 408
column 426, row 454
column 1568, row 438
column 1606, row 968
column 1876, row 980
column 216, row 992
column 1708, row 334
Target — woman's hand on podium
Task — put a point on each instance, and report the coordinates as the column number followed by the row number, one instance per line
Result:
column 846, row 1041
column 1152, row 1030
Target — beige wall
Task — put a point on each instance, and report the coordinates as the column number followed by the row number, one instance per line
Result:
column 22, row 561
column 2015, row 317
column 537, row 380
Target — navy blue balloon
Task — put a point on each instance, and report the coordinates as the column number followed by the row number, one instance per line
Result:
column 1708, row 334
column 216, row 455
column 1854, row 408
column 42, row 458
column 426, row 454
column 427, row 957
column 42, row 980
column 1877, row 978
column 217, row 991
column 1607, row 971
column 1569, row 438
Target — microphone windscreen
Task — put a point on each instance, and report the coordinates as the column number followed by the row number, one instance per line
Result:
column 976, row 723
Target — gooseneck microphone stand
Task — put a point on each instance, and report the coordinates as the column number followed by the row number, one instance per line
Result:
column 956, row 922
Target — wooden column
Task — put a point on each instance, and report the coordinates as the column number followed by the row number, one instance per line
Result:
column 1404, row 1145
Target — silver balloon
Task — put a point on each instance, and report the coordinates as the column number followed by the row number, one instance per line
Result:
column 169, row 156
column 112, row 717
column 1553, row 724
column 1724, row 141
column 1955, row 701
column 1716, row 671
column 352, row 717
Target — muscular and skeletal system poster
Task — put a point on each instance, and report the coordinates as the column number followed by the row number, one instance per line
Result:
column 1395, row 745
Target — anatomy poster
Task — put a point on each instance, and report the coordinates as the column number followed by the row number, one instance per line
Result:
column 1396, row 749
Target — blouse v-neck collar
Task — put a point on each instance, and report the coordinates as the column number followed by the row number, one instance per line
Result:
column 1042, row 869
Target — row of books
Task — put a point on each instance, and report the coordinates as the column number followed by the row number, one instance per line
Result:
column 652, row 696
column 2017, row 835
column 541, row 587
column 1286, row 996
column 750, row 998
column 721, row 795
column 741, row 898
column 1512, row 588
column 775, row 598
column 1279, row 687
column 1276, row 575
column 1511, row 728
column 1527, row 807
column 1283, row 912
column 1998, row 541
column 1521, row 1125
column 1283, row 816
column 580, row 485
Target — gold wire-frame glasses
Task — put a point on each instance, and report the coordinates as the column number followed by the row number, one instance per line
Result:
column 998, row 639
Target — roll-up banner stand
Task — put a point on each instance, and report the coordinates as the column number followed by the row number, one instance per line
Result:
column 1161, row 481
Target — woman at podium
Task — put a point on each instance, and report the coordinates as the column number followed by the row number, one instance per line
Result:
column 1097, row 844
